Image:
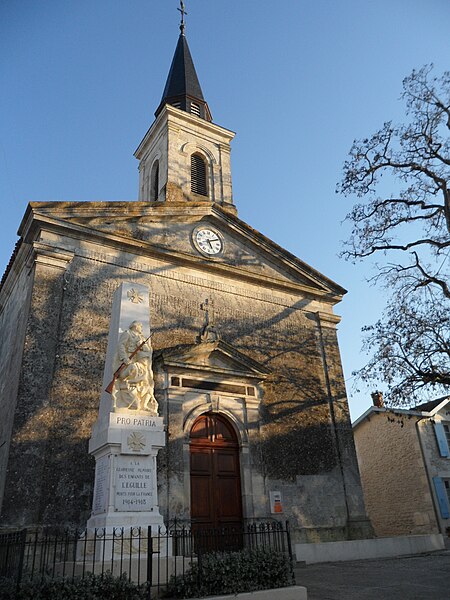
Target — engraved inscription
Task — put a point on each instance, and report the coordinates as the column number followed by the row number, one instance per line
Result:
column 134, row 484
column 161, row 270
column 100, row 503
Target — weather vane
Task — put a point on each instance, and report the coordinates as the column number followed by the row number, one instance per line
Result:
column 183, row 12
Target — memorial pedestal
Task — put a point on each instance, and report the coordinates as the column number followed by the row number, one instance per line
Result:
column 125, row 492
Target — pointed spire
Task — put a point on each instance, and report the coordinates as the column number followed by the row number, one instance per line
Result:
column 183, row 87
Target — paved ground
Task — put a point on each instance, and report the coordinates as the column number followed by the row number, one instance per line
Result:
column 419, row 577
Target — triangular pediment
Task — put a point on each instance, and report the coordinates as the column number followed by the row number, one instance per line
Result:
column 169, row 229
column 219, row 358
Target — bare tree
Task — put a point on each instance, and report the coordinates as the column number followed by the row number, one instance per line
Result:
column 410, row 350
column 411, row 231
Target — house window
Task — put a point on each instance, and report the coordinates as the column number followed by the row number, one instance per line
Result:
column 447, row 489
column 154, row 182
column 198, row 175
column 195, row 109
column 446, row 427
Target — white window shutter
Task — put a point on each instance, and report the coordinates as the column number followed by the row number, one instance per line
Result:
column 441, row 439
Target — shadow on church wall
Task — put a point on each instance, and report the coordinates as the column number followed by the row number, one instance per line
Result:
column 51, row 475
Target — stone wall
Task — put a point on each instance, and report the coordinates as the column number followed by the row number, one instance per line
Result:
column 393, row 475
column 304, row 448
column 14, row 302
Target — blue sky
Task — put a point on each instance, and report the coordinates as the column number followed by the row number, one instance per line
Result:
column 297, row 80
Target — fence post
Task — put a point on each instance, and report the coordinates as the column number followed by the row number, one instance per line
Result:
column 199, row 567
column 149, row 562
column 5, row 557
column 291, row 558
column 22, row 544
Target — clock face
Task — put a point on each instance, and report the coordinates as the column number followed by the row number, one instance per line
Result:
column 208, row 241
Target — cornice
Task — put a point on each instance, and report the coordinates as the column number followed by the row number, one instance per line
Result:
column 185, row 117
column 328, row 319
column 192, row 357
column 51, row 256
column 177, row 118
column 283, row 255
column 181, row 367
column 38, row 217
column 28, row 255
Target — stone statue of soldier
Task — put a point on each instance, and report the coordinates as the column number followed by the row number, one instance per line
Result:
column 133, row 375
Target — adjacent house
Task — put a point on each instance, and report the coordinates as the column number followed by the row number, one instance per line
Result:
column 404, row 460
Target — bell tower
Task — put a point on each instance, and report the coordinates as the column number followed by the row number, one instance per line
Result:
column 184, row 157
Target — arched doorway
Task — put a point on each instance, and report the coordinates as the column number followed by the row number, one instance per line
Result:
column 216, row 500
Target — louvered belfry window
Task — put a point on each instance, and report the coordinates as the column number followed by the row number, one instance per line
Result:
column 195, row 109
column 198, row 175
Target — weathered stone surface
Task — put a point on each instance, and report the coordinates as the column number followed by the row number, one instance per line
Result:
column 170, row 141
column 13, row 325
column 398, row 458
column 295, row 433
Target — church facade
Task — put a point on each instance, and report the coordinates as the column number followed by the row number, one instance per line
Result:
column 246, row 362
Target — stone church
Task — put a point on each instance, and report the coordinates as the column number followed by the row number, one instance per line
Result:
column 247, row 369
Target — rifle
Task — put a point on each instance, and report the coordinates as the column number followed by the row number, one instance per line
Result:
column 109, row 388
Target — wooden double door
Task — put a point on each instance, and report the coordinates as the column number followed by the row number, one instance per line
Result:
column 216, row 499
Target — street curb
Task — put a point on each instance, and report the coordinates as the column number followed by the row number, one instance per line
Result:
column 295, row 592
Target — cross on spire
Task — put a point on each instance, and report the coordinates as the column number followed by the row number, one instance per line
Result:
column 182, row 87
column 183, row 12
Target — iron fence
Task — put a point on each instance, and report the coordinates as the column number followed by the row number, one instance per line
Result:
column 147, row 557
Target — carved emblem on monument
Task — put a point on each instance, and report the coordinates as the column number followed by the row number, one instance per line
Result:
column 136, row 441
column 134, row 296
column 133, row 384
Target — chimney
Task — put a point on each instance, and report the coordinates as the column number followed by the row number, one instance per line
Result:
column 377, row 399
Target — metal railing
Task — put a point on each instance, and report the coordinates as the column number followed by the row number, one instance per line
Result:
column 148, row 558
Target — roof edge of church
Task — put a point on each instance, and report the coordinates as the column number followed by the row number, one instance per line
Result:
column 10, row 264
column 89, row 206
column 341, row 291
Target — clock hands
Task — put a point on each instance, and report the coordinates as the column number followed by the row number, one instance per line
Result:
column 208, row 241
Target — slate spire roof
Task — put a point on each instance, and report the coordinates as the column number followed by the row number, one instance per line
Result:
column 182, row 87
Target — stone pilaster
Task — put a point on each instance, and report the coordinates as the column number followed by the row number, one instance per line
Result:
column 358, row 524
